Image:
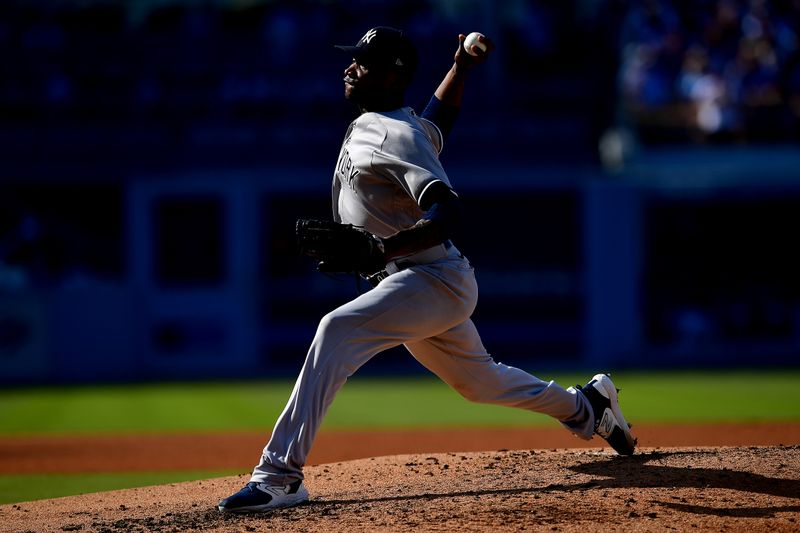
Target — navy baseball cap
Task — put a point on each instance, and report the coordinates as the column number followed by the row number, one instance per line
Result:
column 386, row 47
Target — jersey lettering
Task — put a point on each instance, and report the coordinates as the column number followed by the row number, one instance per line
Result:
column 346, row 168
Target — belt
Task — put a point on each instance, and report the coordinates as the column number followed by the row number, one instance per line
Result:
column 428, row 255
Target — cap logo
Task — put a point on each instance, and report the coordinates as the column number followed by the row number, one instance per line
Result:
column 368, row 36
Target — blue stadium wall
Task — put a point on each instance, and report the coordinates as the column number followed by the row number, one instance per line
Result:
column 684, row 259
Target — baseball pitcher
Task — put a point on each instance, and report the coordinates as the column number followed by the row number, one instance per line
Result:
column 394, row 213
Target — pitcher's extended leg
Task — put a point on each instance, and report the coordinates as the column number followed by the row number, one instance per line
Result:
column 459, row 358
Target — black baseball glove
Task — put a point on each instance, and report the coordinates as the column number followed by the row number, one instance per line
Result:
column 340, row 247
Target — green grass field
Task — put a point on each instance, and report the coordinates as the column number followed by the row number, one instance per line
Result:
column 653, row 397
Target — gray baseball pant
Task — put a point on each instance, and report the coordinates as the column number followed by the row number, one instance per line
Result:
column 426, row 308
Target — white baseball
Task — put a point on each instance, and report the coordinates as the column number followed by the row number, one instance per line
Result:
column 472, row 39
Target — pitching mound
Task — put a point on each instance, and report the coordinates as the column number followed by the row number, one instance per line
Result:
column 732, row 489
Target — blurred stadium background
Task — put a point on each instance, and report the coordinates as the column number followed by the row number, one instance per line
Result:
column 630, row 169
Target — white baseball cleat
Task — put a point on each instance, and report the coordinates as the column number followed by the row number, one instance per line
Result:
column 260, row 497
column 609, row 422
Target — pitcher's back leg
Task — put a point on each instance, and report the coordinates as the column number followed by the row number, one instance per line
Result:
column 459, row 358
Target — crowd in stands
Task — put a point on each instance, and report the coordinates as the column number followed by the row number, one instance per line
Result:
column 713, row 70
column 112, row 60
column 187, row 72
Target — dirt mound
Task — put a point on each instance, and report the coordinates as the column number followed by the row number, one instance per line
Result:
column 732, row 489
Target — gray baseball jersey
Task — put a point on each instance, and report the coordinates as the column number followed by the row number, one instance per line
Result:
column 386, row 163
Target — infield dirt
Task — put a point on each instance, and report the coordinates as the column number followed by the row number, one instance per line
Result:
column 658, row 489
